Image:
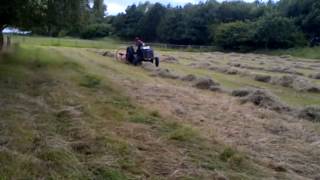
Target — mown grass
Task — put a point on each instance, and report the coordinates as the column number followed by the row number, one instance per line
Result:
column 231, row 82
column 42, row 139
column 60, row 119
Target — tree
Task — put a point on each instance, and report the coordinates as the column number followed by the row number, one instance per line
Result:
column 235, row 11
column 306, row 14
column 235, row 35
column 311, row 22
column 127, row 25
column 277, row 32
column 61, row 17
column 18, row 13
column 96, row 31
column 172, row 27
column 99, row 9
column 150, row 22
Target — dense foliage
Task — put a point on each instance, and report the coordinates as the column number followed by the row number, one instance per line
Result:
column 96, row 31
column 52, row 17
column 235, row 25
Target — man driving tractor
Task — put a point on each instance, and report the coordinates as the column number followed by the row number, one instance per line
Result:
column 139, row 44
column 142, row 54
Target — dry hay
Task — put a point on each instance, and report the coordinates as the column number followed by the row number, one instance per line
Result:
column 108, row 54
column 229, row 71
column 262, row 78
column 261, row 98
column 201, row 65
column 149, row 67
column 225, row 70
column 232, row 71
column 222, row 69
column 234, row 64
column 287, row 70
column 102, row 52
column 206, row 83
column 311, row 113
column 165, row 73
column 302, row 66
column 277, row 69
column 315, row 76
column 295, row 82
column 287, row 57
column 189, row 77
column 252, row 67
column 242, row 92
column 168, row 59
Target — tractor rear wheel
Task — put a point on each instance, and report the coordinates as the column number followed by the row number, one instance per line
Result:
column 156, row 59
column 130, row 54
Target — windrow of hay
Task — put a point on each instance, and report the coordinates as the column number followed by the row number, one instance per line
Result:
column 103, row 52
column 206, row 83
column 165, row 73
column 108, row 54
column 262, row 78
column 261, row 98
column 286, row 70
column 311, row 113
column 168, row 59
column 189, row 77
column 315, row 76
column 297, row 83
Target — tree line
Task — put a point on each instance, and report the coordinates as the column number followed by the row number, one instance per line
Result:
column 234, row 25
column 55, row 17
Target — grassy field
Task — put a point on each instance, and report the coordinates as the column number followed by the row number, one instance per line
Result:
column 63, row 118
column 104, row 43
column 302, row 52
column 245, row 77
column 70, row 113
column 112, row 43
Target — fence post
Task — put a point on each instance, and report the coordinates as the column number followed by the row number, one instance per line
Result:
column 8, row 41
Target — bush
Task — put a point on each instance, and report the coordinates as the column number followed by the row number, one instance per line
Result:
column 268, row 32
column 235, row 35
column 96, row 30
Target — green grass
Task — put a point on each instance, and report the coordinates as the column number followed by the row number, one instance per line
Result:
column 44, row 142
column 90, row 81
column 182, row 133
column 303, row 52
column 105, row 43
column 144, row 118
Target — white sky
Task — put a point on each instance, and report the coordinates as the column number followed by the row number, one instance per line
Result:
column 117, row 6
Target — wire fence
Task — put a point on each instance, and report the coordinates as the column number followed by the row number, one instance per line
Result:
column 183, row 47
column 163, row 46
column 105, row 44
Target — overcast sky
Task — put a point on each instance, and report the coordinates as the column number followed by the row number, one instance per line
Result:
column 117, row 6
